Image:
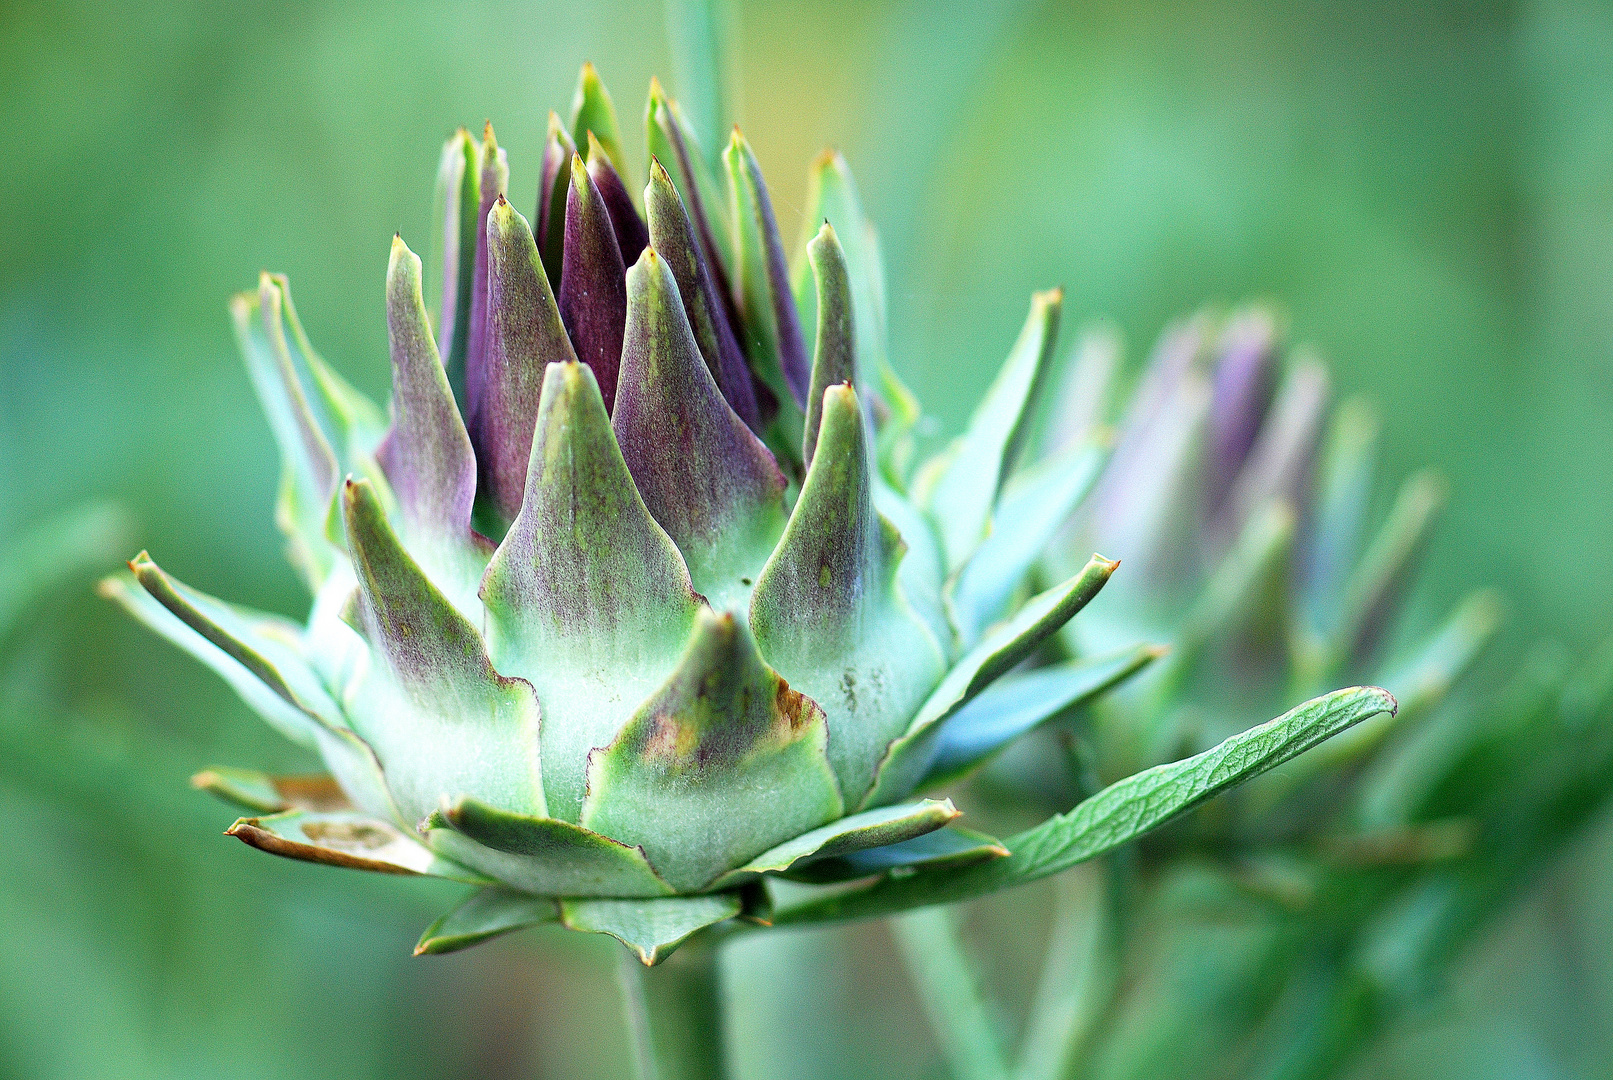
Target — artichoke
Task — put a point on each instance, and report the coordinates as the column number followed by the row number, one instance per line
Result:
column 641, row 598
column 623, row 608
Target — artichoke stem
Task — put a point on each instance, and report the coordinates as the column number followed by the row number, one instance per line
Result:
column 674, row 1015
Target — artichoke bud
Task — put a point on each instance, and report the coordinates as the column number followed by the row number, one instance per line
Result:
column 619, row 609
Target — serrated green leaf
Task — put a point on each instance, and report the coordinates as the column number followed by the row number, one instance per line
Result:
column 1119, row 813
column 959, row 489
column 486, row 914
column 1419, row 684
column 651, row 928
column 348, row 838
column 909, row 757
column 879, row 828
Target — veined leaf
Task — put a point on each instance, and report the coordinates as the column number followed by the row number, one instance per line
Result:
column 1120, row 812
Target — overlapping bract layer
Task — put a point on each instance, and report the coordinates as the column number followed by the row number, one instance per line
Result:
column 629, row 602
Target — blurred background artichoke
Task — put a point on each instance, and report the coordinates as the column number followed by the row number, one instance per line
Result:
column 1422, row 193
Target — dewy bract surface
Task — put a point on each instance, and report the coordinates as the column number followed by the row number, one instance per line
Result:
column 630, row 603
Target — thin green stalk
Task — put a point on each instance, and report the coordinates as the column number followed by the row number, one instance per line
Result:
column 674, row 1015
column 630, row 975
column 1075, row 979
column 949, row 990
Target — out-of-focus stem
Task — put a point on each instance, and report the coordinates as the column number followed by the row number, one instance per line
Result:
column 674, row 1015
column 1076, row 977
column 949, row 990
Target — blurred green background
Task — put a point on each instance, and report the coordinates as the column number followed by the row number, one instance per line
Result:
column 1427, row 193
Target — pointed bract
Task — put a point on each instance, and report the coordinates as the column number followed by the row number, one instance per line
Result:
column 869, row 829
column 427, row 456
column 671, row 142
column 524, row 336
column 308, row 465
column 960, row 488
column 258, row 656
column 587, row 598
column 486, row 914
column 592, row 114
column 1014, row 705
column 271, row 794
column 673, row 236
column 769, row 324
column 651, row 928
column 910, row 756
column 827, row 611
column 553, row 186
column 494, row 182
column 539, row 854
column 834, row 359
column 712, row 486
column 720, row 764
column 951, row 848
column 593, row 282
column 631, row 235
column 1032, row 508
column 455, row 228
column 444, row 718
column 345, row 838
